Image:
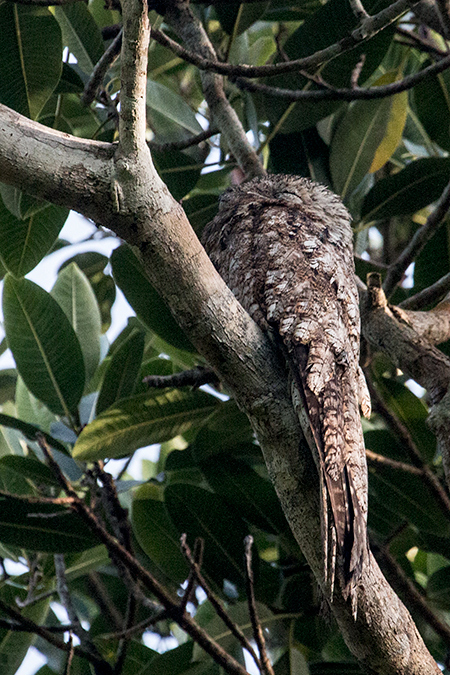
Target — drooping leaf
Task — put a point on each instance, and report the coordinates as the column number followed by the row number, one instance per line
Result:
column 417, row 185
column 156, row 533
column 355, row 142
column 44, row 345
column 250, row 494
column 42, row 527
column 74, row 294
column 27, row 79
column 122, row 372
column 80, row 34
column 165, row 101
column 200, row 513
column 23, row 243
column 395, row 124
column 142, row 420
column 148, row 305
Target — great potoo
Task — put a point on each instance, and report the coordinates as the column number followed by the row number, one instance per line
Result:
column 283, row 245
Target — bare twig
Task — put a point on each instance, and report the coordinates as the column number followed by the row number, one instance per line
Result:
column 102, row 667
column 419, row 42
column 217, row 605
column 100, row 70
column 429, row 295
column 381, row 460
column 187, row 378
column 182, row 145
column 417, row 243
column 371, row 27
column 357, row 72
column 411, row 595
column 197, row 560
column 443, row 7
column 256, row 624
column 347, row 94
column 118, row 552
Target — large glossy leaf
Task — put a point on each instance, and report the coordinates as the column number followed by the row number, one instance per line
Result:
column 30, row 57
column 249, row 493
column 179, row 171
column 438, row 588
column 395, row 124
column 431, row 99
column 355, row 142
column 76, row 298
column 42, row 527
column 44, row 345
column 80, row 34
column 411, row 411
column 156, row 533
column 200, row 513
column 165, row 101
column 122, row 371
column 147, row 303
column 408, row 191
column 142, row 420
column 92, row 264
column 23, row 243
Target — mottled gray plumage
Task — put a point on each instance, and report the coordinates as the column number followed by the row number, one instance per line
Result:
column 283, row 245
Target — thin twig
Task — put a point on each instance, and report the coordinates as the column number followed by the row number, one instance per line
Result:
column 402, row 432
column 412, row 596
column 119, row 553
column 70, row 656
column 19, row 628
column 182, row 145
column 346, row 94
column 256, row 624
column 420, row 42
column 417, row 243
column 197, row 564
column 100, row 70
column 356, row 72
column 372, row 26
column 195, row 377
column 381, row 460
column 358, row 10
column 102, row 667
column 217, row 605
column 137, row 628
column 429, row 295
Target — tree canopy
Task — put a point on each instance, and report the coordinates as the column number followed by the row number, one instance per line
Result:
column 138, row 117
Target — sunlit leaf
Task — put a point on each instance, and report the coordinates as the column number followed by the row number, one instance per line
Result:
column 30, row 57
column 142, row 420
column 44, row 345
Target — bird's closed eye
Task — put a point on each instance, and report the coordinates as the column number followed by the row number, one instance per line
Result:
column 289, row 197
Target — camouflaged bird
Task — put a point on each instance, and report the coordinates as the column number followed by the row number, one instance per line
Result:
column 283, row 245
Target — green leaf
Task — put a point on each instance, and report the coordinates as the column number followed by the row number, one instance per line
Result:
column 417, row 185
column 42, row 527
column 438, row 588
column 74, row 294
column 122, row 372
column 179, row 171
column 32, row 471
column 156, row 533
column 252, row 496
column 163, row 100
column 411, row 411
column 395, row 124
column 30, row 57
column 142, row 420
column 293, row 661
column 44, row 345
column 200, row 513
column 80, row 34
column 431, row 99
column 23, row 243
column 148, row 305
column 356, row 139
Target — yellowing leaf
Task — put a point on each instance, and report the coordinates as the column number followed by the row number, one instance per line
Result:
column 395, row 125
